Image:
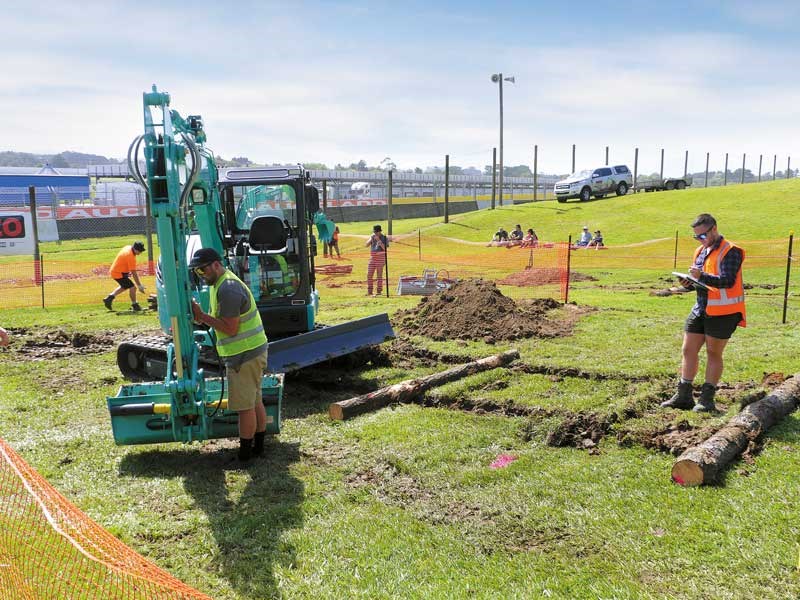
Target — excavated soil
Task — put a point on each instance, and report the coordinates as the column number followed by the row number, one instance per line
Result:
column 476, row 310
column 49, row 344
column 542, row 276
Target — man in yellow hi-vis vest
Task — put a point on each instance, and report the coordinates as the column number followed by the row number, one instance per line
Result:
column 718, row 311
column 241, row 344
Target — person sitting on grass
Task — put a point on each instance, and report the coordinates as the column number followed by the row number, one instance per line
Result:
column 597, row 240
column 531, row 240
column 515, row 239
column 500, row 238
column 585, row 238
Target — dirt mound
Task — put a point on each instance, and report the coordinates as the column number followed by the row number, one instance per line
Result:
column 476, row 310
column 542, row 276
column 44, row 345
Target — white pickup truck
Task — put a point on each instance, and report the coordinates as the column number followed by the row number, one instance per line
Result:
column 594, row 182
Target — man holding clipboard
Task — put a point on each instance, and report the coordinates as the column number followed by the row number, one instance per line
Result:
column 716, row 276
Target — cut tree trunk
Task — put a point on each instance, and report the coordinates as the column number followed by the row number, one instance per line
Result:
column 412, row 389
column 703, row 463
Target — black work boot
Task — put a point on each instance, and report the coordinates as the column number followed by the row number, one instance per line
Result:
column 706, row 401
column 682, row 398
column 135, row 307
column 108, row 302
column 258, row 443
column 245, row 449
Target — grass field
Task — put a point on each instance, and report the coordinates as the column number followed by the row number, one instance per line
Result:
column 401, row 503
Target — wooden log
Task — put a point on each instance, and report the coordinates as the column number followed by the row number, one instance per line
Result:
column 703, row 463
column 411, row 389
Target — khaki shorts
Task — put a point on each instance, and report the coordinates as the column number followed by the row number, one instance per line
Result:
column 244, row 384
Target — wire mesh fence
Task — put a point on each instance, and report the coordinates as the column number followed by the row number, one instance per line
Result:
column 50, row 549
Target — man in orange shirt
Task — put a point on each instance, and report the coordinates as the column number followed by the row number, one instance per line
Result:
column 122, row 270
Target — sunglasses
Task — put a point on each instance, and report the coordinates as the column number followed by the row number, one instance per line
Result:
column 200, row 270
column 704, row 235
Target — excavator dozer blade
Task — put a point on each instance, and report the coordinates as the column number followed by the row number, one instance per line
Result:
column 325, row 343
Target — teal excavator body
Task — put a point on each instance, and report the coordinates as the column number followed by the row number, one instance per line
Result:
column 262, row 222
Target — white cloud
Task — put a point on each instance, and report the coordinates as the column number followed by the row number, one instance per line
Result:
column 278, row 87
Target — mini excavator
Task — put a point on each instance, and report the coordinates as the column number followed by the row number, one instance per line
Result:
column 261, row 221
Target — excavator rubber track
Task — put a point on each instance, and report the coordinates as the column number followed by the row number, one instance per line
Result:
column 145, row 358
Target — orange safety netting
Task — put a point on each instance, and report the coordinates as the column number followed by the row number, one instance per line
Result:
column 51, row 549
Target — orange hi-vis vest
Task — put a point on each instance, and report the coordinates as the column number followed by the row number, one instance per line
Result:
column 723, row 301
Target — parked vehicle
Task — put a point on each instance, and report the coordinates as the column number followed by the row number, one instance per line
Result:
column 594, row 182
column 669, row 183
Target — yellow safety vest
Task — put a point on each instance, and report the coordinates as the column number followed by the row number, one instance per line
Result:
column 251, row 329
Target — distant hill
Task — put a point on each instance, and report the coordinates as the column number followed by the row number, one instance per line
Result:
column 68, row 159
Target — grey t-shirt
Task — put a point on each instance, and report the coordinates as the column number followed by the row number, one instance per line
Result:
column 233, row 301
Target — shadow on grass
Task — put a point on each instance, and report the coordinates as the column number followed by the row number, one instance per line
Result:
column 248, row 527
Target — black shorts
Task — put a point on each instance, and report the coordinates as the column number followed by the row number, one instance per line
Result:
column 721, row 327
column 124, row 282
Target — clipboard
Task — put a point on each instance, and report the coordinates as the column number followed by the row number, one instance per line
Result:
column 688, row 277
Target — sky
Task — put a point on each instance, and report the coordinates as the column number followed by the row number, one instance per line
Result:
column 342, row 81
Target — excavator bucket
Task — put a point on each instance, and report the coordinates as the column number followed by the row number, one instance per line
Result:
column 148, row 413
column 325, row 343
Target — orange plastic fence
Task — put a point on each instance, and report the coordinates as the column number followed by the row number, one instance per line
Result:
column 539, row 271
column 49, row 549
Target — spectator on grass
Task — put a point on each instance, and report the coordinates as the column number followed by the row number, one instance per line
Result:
column 597, row 240
column 4, row 341
column 585, row 237
column 378, row 243
column 334, row 245
column 718, row 311
column 122, row 270
column 500, row 236
column 241, row 344
column 516, row 235
column 531, row 240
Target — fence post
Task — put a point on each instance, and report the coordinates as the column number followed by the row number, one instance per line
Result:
column 760, row 157
column 788, row 167
column 569, row 257
column 446, row 188
column 675, row 257
column 725, row 176
column 635, row 169
column 606, row 155
column 661, row 176
column 389, row 201
column 774, row 165
column 148, row 231
column 494, row 175
column 419, row 244
column 686, row 165
column 324, row 196
column 788, row 270
column 573, row 158
column 37, row 268
column 41, row 270
column 744, row 156
column 707, row 155
column 535, row 169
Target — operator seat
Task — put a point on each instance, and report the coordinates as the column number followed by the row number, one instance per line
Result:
column 267, row 235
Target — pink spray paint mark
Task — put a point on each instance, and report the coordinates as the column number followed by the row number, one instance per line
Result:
column 678, row 479
column 502, row 460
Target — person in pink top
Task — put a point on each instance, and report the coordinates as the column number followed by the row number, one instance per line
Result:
column 378, row 243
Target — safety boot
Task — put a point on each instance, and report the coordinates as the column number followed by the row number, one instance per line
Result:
column 108, row 302
column 135, row 307
column 258, row 443
column 682, row 398
column 245, row 449
column 706, row 401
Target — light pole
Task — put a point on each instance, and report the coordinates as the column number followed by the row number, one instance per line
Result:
column 498, row 79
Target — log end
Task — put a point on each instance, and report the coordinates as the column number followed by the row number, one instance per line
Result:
column 335, row 412
column 687, row 473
